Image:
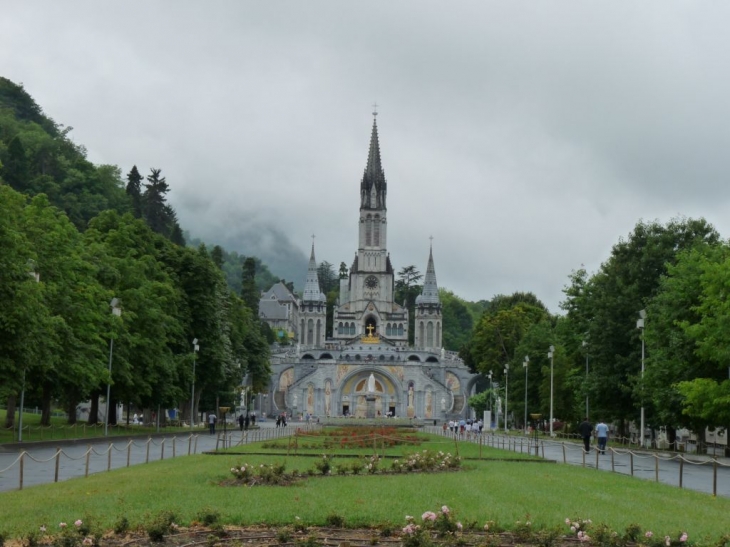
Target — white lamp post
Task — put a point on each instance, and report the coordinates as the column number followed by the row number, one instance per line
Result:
column 526, row 365
column 35, row 275
column 585, row 346
column 490, row 399
column 551, row 356
column 506, row 395
column 196, row 347
column 117, row 311
column 640, row 325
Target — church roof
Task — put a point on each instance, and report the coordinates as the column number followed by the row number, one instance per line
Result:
column 312, row 291
column 430, row 294
column 272, row 309
column 374, row 175
column 279, row 292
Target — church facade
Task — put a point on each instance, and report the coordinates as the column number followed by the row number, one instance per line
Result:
column 367, row 368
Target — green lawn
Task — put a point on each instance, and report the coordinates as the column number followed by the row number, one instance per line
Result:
column 502, row 491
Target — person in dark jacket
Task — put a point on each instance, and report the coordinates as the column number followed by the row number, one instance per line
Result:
column 586, row 429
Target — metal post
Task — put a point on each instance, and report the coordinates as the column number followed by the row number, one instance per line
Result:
column 20, row 417
column 506, row 395
column 552, row 360
column 116, row 310
column 192, row 392
column 108, row 387
column 640, row 325
column 526, row 365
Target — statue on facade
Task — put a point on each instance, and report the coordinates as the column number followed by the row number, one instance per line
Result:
column 371, row 383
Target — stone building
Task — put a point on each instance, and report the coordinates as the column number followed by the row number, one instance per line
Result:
column 367, row 368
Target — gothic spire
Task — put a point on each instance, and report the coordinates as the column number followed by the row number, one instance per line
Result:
column 430, row 294
column 312, row 293
column 373, row 187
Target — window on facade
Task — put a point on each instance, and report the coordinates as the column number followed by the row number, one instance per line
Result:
column 368, row 230
column 400, row 329
column 376, row 231
column 429, row 335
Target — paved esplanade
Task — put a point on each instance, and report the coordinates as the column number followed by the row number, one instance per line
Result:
column 39, row 462
column 698, row 475
column 695, row 476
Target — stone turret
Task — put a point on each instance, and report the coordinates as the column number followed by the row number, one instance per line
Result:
column 428, row 310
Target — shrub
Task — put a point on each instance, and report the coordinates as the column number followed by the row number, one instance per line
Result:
column 160, row 525
column 334, row 520
column 323, row 465
column 356, row 467
column 284, row 535
column 121, row 525
column 208, row 516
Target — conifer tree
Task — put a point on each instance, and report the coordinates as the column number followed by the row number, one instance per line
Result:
column 249, row 293
column 134, row 191
column 155, row 212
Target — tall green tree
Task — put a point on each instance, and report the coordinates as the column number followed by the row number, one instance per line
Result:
column 134, row 191
column 604, row 309
column 155, row 202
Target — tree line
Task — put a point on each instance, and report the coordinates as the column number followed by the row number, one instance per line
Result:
column 75, row 236
column 675, row 274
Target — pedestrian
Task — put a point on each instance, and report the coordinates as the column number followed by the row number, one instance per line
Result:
column 585, row 429
column 602, row 434
column 211, row 422
column 240, row 422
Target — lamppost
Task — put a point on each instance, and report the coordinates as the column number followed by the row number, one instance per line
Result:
column 117, row 311
column 490, row 399
column 506, row 394
column 585, row 346
column 196, row 347
column 551, row 356
column 35, row 275
column 640, row 326
column 526, row 365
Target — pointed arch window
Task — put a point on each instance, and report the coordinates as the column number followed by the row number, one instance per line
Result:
column 376, row 231
column 368, row 231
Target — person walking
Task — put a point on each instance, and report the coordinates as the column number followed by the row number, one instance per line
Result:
column 585, row 429
column 240, row 422
column 602, row 434
column 211, row 423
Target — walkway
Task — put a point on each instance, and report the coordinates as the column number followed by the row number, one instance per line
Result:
column 695, row 472
column 44, row 462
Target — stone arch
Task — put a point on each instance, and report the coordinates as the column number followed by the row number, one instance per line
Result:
column 326, row 356
column 432, row 359
column 414, row 358
column 307, row 357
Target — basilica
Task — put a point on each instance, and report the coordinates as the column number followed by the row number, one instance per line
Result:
column 367, row 368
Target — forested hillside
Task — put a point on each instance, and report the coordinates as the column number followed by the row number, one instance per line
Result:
column 75, row 236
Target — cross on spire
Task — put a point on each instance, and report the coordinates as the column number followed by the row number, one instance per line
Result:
column 375, row 109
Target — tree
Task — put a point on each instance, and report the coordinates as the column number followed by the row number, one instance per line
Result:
column 155, row 200
column 249, row 292
column 344, row 271
column 134, row 191
column 406, row 291
column 604, row 309
column 15, row 169
column 457, row 321
column 328, row 281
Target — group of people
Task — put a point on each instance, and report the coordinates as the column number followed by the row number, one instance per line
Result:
column 244, row 421
column 466, row 428
column 585, row 429
column 281, row 420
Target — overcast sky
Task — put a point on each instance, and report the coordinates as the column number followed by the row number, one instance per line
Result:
column 525, row 137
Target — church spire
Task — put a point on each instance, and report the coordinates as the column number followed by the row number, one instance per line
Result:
column 312, row 293
column 373, row 187
column 430, row 294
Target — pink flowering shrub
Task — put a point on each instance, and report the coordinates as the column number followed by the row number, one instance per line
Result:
column 433, row 524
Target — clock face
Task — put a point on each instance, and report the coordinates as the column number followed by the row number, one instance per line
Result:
column 371, row 282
